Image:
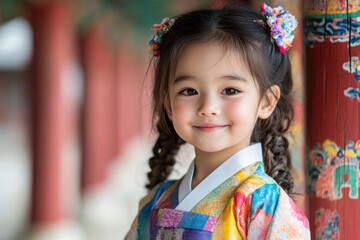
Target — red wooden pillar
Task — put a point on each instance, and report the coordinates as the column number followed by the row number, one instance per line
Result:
column 133, row 97
column 98, row 118
column 52, row 28
column 333, row 117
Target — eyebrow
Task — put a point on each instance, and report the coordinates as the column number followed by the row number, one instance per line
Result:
column 182, row 78
column 233, row 76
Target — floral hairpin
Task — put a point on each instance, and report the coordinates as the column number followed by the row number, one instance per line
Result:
column 160, row 30
column 282, row 23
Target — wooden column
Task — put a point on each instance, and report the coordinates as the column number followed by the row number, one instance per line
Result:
column 132, row 112
column 52, row 24
column 98, row 118
column 333, row 117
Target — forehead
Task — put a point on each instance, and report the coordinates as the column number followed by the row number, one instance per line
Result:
column 212, row 60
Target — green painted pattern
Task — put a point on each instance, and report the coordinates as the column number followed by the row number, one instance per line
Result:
column 333, row 16
column 349, row 172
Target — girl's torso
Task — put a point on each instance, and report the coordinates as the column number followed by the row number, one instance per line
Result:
column 246, row 205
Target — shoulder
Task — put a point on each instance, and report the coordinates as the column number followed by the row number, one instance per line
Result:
column 273, row 200
column 140, row 226
column 259, row 184
column 155, row 193
column 259, row 191
column 148, row 203
column 270, row 207
column 265, row 199
column 281, row 227
column 262, row 191
column 268, row 189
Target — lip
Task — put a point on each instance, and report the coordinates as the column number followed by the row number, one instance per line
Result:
column 210, row 127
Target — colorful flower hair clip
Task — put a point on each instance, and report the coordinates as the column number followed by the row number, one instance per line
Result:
column 281, row 23
column 160, row 30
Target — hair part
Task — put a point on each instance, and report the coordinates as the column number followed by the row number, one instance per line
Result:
column 236, row 29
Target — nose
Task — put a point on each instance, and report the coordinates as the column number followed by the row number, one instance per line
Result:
column 209, row 106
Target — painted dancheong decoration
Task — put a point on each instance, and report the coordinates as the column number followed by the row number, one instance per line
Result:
column 327, row 225
column 328, row 19
column 330, row 169
column 337, row 30
column 335, row 26
column 332, row 34
column 353, row 93
column 354, row 67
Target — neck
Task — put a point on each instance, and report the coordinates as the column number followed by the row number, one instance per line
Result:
column 207, row 162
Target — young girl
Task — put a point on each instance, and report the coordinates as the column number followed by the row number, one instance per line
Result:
column 222, row 84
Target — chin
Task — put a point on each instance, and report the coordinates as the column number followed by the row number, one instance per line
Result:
column 210, row 148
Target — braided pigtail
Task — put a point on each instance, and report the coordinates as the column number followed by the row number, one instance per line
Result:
column 276, row 153
column 165, row 149
column 271, row 133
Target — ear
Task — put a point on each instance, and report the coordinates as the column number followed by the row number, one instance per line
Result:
column 269, row 101
column 167, row 106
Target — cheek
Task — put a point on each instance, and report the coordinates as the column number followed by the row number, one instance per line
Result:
column 181, row 111
column 241, row 111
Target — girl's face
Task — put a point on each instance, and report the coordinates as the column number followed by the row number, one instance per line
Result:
column 214, row 101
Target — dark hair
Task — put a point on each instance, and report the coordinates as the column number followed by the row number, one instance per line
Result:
column 245, row 31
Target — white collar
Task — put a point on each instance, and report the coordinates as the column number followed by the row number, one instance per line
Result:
column 189, row 198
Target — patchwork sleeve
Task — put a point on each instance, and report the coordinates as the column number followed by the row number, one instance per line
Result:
column 274, row 215
column 288, row 222
column 132, row 233
column 140, row 228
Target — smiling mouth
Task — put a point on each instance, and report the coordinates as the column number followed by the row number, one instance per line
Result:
column 210, row 128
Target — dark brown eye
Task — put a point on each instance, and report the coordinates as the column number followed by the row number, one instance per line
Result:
column 188, row 92
column 230, row 91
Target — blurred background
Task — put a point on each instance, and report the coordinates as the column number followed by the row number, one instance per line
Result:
column 75, row 114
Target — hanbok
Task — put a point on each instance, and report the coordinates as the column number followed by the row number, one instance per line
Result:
column 238, row 200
